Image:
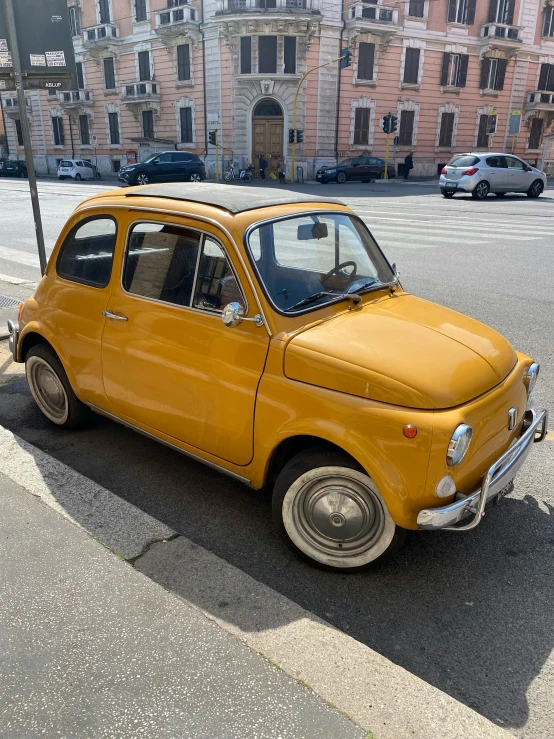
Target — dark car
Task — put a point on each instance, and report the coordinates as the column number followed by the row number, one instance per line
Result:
column 168, row 166
column 355, row 169
column 14, row 168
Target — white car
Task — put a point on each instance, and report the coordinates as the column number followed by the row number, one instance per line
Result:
column 499, row 173
column 77, row 169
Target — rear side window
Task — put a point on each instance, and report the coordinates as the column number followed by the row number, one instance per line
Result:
column 463, row 161
column 87, row 253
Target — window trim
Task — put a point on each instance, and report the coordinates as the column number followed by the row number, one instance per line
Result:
column 74, row 229
column 203, row 234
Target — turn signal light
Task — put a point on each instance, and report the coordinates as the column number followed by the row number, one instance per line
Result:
column 19, row 311
column 409, row 431
column 443, row 170
column 471, row 171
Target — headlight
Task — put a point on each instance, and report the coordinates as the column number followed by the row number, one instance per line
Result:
column 531, row 377
column 329, row 171
column 459, row 444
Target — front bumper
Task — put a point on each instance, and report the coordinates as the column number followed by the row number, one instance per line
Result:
column 13, row 328
column 498, row 478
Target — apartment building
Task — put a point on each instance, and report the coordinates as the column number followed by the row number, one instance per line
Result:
column 160, row 74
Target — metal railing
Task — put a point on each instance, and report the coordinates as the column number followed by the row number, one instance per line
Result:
column 374, row 12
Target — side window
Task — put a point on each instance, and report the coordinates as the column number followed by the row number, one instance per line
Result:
column 496, row 162
column 514, row 163
column 160, row 262
column 87, row 253
column 164, row 158
column 216, row 284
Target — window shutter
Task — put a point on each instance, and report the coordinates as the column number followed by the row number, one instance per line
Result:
column 550, row 80
column 411, row 66
column 543, row 77
column 444, row 70
column 183, row 62
column 406, row 127
column 104, row 8
column 493, row 9
column 19, row 132
column 361, row 126
column 290, row 54
column 452, row 11
column 60, row 129
column 246, row 55
column 470, row 15
column 500, row 74
column 482, row 138
column 186, row 125
column 267, row 54
column 510, row 12
column 442, row 134
column 80, row 78
column 447, row 128
column 462, row 74
column 109, row 74
column 548, row 11
column 366, row 56
column 416, row 8
column 83, row 126
column 536, row 132
column 140, row 10
column 485, row 66
column 144, row 65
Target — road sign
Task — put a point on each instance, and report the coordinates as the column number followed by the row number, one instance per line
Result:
column 515, row 122
column 94, row 141
column 396, row 140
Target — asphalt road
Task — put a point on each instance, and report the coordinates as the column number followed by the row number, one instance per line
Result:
column 473, row 613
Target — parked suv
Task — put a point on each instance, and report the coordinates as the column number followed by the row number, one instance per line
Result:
column 14, row 168
column 168, row 166
column 481, row 173
column 356, row 168
column 76, row 169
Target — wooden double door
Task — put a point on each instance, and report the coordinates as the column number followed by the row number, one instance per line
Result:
column 267, row 140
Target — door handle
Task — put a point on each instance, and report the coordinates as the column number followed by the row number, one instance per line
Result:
column 109, row 314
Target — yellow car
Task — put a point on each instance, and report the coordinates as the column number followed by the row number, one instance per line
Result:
column 267, row 336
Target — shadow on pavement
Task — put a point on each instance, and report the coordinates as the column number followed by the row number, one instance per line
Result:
column 470, row 613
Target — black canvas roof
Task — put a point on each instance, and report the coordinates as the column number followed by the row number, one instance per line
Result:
column 234, row 199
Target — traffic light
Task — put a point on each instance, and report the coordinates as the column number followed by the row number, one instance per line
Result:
column 291, row 135
column 393, row 123
column 299, row 135
column 212, row 137
column 387, row 123
column 345, row 60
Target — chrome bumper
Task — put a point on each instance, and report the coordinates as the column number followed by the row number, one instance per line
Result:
column 498, row 477
column 13, row 328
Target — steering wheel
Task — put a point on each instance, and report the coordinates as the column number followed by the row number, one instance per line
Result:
column 338, row 268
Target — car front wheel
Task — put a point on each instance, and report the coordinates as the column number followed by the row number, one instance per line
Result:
column 481, row 190
column 330, row 512
column 536, row 189
column 341, row 178
column 195, row 177
column 142, row 179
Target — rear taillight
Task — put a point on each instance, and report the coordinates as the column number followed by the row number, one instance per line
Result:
column 443, row 170
column 469, row 172
column 19, row 312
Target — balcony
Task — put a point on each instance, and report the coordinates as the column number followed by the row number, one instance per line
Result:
column 539, row 101
column 75, row 99
column 178, row 21
column 499, row 36
column 277, row 8
column 99, row 36
column 10, row 106
column 373, row 17
column 140, row 92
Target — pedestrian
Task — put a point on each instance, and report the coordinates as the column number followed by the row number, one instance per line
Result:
column 281, row 171
column 262, row 163
column 408, row 164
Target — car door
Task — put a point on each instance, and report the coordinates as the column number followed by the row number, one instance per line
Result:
column 519, row 179
column 170, row 365
column 182, row 166
column 162, row 169
column 497, row 173
column 376, row 167
column 357, row 169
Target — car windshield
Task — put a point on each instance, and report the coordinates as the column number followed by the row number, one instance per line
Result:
column 463, row 160
column 307, row 261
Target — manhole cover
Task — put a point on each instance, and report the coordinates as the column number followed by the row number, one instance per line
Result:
column 6, row 302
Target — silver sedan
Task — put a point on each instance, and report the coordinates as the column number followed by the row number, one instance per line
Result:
column 481, row 174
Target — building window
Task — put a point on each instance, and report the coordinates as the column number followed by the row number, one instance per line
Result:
column 148, row 124
column 185, row 119
column 535, row 133
column 246, row 54
column 501, row 11
column 454, row 69
column 406, row 132
column 461, row 11
column 416, row 8
column 116, row 165
column 366, row 58
column 411, row 66
column 18, row 132
column 140, row 11
column 493, row 72
column 267, row 54
column 109, row 73
column 84, row 130
column 361, row 126
column 144, row 65
column 290, row 55
column 57, row 131
column 486, row 124
column 113, row 119
column 447, row 129
column 104, row 11
column 183, row 63
column 80, row 77
column 546, row 78
column 52, row 93
column 548, row 25
column 75, row 20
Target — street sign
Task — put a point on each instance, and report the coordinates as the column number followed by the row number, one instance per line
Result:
column 94, row 141
column 396, row 140
column 515, row 122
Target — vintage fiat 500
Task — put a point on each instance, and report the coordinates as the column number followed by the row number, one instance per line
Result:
column 267, row 336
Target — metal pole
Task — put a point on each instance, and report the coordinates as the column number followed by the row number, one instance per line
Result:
column 12, row 41
column 217, row 156
column 386, row 172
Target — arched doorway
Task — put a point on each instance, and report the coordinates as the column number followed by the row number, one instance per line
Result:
column 267, row 134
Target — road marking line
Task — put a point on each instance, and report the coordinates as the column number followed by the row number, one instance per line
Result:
column 443, row 223
column 21, row 257
column 14, row 280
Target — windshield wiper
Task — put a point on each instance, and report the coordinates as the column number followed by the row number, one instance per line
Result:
column 368, row 283
column 353, row 297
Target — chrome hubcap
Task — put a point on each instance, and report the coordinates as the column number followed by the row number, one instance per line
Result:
column 482, row 189
column 195, row 178
column 537, row 188
column 142, row 179
column 49, row 390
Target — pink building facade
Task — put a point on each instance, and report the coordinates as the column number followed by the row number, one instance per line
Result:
column 460, row 75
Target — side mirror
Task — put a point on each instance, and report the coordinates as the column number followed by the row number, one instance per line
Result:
column 233, row 314
column 396, row 272
column 156, row 161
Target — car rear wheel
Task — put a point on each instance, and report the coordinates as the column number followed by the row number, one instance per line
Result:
column 329, row 511
column 78, row 177
column 51, row 389
column 481, row 190
column 142, row 179
column 195, row 177
column 447, row 194
column 536, row 189
column 341, row 178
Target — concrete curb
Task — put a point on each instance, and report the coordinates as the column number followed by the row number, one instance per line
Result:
column 374, row 692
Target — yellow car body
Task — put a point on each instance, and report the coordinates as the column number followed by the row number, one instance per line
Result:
column 245, row 398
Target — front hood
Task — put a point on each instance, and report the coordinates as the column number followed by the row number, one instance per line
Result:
column 402, row 350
